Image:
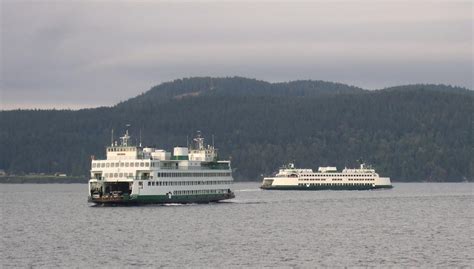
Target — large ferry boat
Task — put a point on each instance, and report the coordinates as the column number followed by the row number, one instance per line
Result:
column 326, row 178
column 135, row 175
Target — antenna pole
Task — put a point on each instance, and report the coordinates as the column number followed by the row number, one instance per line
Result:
column 187, row 141
column 211, row 87
column 140, row 137
column 112, row 138
column 212, row 141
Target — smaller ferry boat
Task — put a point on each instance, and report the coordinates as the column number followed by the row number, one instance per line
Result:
column 326, row 178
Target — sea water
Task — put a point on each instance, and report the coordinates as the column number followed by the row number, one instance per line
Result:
column 411, row 225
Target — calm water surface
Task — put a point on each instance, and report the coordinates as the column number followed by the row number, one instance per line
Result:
column 412, row 225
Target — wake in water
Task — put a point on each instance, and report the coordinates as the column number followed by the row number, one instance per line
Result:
column 242, row 202
column 148, row 205
column 176, row 204
column 247, row 190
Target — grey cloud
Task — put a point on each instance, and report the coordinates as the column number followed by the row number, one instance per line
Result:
column 97, row 53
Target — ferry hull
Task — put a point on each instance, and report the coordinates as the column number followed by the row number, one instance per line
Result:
column 319, row 188
column 161, row 199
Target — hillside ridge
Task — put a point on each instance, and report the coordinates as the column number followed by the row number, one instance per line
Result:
column 410, row 133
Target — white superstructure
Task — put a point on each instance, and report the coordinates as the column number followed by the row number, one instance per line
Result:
column 132, row 174
column 289, row 178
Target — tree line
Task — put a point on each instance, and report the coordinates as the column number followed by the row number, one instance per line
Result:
column 410, row 133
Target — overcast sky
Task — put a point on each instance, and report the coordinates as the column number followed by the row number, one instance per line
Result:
column 74, row 54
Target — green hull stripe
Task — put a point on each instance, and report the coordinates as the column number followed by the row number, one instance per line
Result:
column 326, row 187
column 164, row 199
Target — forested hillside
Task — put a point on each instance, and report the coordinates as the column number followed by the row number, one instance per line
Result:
column 410, row 133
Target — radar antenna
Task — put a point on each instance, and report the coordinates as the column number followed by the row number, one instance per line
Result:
column 126, row 137
column 199, row 141
column 112, row 138
column 140, row 137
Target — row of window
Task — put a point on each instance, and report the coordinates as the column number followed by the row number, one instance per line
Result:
column 121, row 175
column 121, row 149
column 186, row 183
column 193, row 174
column 346, row 175
column 131, row 175
column 118, row 175
column 336, row 179
column 334, row 184
column 190, row 192
column 123, row 164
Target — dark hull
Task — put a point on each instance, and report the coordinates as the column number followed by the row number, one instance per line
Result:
column 161, row 199
column 326, row 187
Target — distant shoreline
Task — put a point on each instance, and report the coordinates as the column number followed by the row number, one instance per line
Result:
column 41, row 179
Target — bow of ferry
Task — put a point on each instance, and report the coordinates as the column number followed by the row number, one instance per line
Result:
column 134, row 175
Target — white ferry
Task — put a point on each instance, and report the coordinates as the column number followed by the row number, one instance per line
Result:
column 135, row 175
column 327, row 178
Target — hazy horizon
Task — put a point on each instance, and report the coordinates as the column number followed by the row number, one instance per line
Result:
column 89, row 54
